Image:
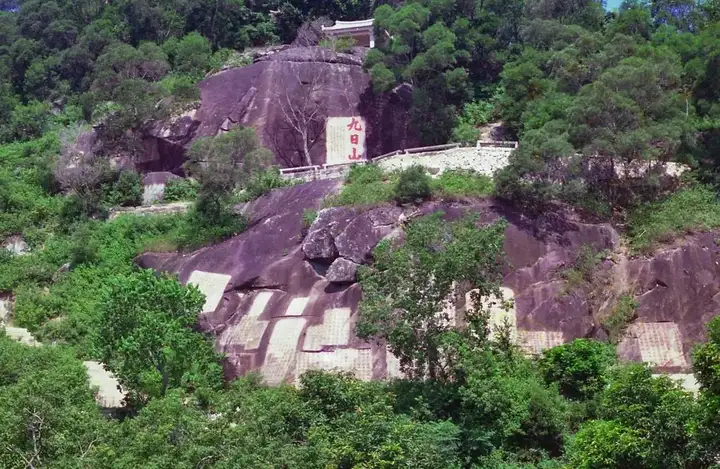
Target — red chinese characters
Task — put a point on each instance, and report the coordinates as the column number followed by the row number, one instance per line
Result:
column 353, row 127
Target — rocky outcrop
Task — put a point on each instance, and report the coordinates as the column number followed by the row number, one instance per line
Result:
column 283, row 298
column 342, row 271
column 154, row 186
column 251, row 96
column 165, row 144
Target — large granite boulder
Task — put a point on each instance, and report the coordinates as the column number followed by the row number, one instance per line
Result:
column 281, row 300
column 342, row 271
column 252, row 96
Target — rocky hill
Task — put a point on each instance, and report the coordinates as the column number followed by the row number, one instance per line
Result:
column 282, row 297
column 314, row 81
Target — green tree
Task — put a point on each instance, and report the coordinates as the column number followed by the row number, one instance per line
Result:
column 413, row 185
column 661, row 414
column 192, row 55
column 222, row 164
column 579, row 368
column 604, row 444
column 48, row 415
column 407, row 291
column 145, row 336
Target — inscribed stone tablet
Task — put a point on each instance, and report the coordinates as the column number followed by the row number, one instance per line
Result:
column 281, row 349
column 334, row 330
column 212, row 285
column 660, row 343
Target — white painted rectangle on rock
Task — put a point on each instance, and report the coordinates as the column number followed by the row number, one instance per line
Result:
column 660, row 343
column 297, row 306
column 334, row 330
column 212, row 285
column 108, row 395
column 345, row 140
column 359, row 362
column 282, row 349
column 535, row 342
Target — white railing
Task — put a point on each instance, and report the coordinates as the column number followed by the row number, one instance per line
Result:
column 326, row 171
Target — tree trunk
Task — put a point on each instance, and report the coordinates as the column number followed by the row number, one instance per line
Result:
column 306, row 150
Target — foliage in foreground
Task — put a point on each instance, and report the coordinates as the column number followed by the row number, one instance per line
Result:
column 437, row 255
column 145, row 336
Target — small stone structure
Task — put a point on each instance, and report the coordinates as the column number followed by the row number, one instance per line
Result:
column 16, row 245
column 163, row 209
column 362, row 31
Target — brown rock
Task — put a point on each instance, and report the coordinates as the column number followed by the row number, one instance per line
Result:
column 269, row 262
column 320, row 246
column 342, row 271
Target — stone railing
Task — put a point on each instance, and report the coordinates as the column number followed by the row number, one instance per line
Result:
column 484, row 157
column 159, row 209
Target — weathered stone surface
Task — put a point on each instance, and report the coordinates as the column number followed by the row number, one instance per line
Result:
column 165, row 144
column 16, row 245
column 319, row 245
column 250, row 95
column 342, row 271
column 6, row 304
column 281, row 314
column 154, row 186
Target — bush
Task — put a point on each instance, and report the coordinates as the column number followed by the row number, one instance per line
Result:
column 695, row 208
column 474, row 114
column 126, row 191
column 413, row 185
column 461, row 183
column 619, row 318
column 578, row 367
column 340, row 44
column 192, row 55
column 180, row 190
column 261, row 183
column 583, row 268
column 309, row 216
column 373, row 193
column 364, row 174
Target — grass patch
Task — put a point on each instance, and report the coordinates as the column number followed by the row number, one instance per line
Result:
column 693, row 209
column 583, row 268
column 619, row 318
column 365, row 185
column 462, row 183
column 308, row 217
column 369, row 185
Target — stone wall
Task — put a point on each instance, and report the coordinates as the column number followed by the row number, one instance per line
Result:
column 484, row 158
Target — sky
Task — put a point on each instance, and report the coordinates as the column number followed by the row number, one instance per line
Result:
column 612, row 4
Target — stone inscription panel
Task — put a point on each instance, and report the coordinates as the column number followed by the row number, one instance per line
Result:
column 345, row 140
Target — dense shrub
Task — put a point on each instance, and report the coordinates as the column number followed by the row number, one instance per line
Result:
column 413, row 185
column 262, row 182
column 579, row 367
column 462, row 183
column 365, row 174
column 694, row 208
column 126, row 191
column 180, row 190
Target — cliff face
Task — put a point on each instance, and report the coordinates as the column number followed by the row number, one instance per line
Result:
column 299, row 87
column 282, row 297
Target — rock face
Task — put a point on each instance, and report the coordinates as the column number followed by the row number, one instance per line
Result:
column 283, row 299
column 252, row 96
column 342, row 271
column 154, row 186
